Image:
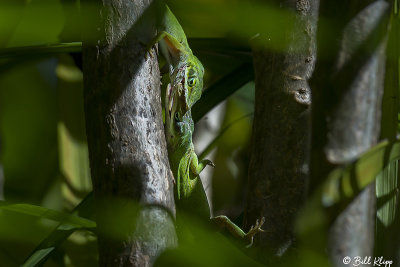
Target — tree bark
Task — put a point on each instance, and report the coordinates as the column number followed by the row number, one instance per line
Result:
column 279, row 158
column 127, row 148
column 347, row 91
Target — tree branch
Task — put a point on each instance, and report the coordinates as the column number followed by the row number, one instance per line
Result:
column 129, row 165
column 347, row 92
column 279, row 158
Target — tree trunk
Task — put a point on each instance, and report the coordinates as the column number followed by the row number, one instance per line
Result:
column 279, row 162
column 347, row 91
column 127, row 148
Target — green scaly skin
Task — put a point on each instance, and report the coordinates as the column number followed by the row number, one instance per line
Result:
column 185, row 165
column 186, row 83
column 180, row 58
column 183, row 160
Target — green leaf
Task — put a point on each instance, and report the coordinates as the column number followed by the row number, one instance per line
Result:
column 214, row 142
column 45, row 213
column 386, row 193
column 225, row 47
column 201, row 245
column 243, row 19
column 222, row 89
column 340, row 184
column 44, row 250
column 387, row 182
column 343, row 185
column 40, row 50
column 391, row 95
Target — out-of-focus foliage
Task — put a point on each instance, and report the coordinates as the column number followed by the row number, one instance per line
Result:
column 202, row 245
column 44, row 151
column 48, row 246
column 343, row 184
column 232, row 157
column 27, row 22
column 386, row 193
column 72, row 147
column 41, row 212
column 227, row 18
column 387, row 182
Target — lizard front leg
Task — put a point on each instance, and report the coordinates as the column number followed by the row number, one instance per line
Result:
column 173, row 45
column 196, row 166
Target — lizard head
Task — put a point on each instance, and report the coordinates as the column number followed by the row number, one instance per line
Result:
column 185, row 68
column 189, row 73
column 193, row 83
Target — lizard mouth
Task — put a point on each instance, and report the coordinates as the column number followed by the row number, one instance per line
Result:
column 182, row 94
column 177, row 98
column 174, row 100
column 170, row 99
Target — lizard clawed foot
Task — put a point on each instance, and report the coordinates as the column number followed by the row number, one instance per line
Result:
column 173, row 178
column 148, row 53
column 206, row 162
column 254, row 230
column 209, row 162
column 148, row 50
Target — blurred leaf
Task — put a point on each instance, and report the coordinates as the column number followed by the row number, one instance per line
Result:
column 220, row 56
column 343, row 184
column 230, row 175
column 391, row 95
column 44, row 250
column 69, row 73
column 308, row 257
column 10, row 15
column 67, row 219
column 40, row 50
column 222, row 89
column 72, row 145
column 6, row 259
column 214, row 142
column 201, row 245
column 208, row 46
column 245, row 97
column 28, row 130
column 236, row 49
column 243, row 19
column 72, row 21
column 386, row 185
column 80, row 250
column 41, row 22
column 18, row 234
column 387, row 182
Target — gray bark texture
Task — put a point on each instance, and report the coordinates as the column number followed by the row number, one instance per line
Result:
column 347, row 91
column 131, row 176
column 279, row 159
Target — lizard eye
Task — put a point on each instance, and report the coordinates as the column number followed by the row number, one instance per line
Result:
column 191, row 82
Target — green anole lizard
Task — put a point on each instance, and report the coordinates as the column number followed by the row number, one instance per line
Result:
column 185, row 88
column 185, row 165
column 175, row 48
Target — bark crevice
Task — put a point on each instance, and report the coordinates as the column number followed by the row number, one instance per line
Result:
column 128, row 158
